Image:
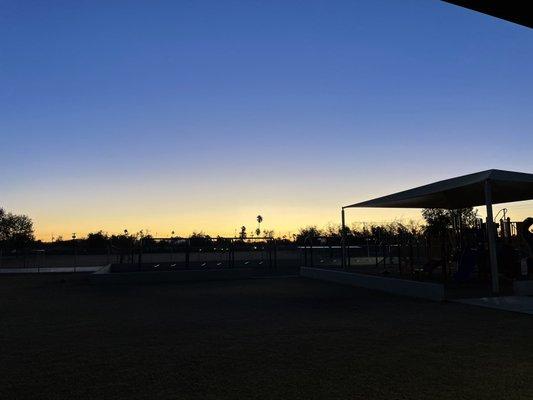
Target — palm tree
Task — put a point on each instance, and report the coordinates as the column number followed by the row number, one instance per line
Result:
column 259, row 220
column 242, row 235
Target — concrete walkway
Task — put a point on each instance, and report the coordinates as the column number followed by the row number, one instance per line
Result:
column 520, row 304
column 49, row 270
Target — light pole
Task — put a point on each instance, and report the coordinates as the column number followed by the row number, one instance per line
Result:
column 171, row 245
column 75, row 251
column 123, row 245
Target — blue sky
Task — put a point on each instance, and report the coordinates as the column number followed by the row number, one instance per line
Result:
column 200, row 114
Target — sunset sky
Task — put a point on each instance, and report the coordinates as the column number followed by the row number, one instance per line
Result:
column 199, row 115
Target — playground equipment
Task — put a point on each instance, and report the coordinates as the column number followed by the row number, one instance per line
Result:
column 482, row 188
column 526, row 234
column 456, row 255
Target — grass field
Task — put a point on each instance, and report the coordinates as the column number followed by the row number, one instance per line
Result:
column 62, row 338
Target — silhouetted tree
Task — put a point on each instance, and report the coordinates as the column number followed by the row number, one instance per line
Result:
column 200, row 239
column 268, row 233
column 242, row 234
column 97, row 241
column 334, row 231
column 439, row 220
column 123, row 243
column 16, row 231
column 309, row 233
column 148, row 240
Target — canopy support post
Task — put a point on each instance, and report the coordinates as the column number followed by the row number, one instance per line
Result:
column 343, row 239
column 491, row 234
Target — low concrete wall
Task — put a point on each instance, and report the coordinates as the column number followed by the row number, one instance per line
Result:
column 104, row 276
column 48, row 270
column 403, row 287
column 523, row 288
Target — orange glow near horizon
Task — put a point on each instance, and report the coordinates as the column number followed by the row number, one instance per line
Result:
column 283, row 221
column 215, row 204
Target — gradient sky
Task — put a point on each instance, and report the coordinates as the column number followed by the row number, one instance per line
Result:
column 198, row 115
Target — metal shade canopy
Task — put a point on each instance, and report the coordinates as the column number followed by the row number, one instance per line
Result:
column 463, row 191
column 517, row 11
column 486, row 187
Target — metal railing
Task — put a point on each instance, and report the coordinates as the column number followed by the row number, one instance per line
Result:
column 256, row 252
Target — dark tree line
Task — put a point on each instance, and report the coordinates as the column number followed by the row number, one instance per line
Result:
column 16, row 234
column 438, row 222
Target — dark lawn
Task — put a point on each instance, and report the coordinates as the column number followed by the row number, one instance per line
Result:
column 265, row 338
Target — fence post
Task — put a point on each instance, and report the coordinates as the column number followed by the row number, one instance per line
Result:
column 444, row 259
column 139, row 260
column 187, row 253
column 270, row 249
column 275, row 254
column 411, row 255
column 348, row 258
column 376, row 251
column 233, row 253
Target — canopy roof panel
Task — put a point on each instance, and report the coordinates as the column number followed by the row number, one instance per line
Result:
column 517, row 11
column 460, row 192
